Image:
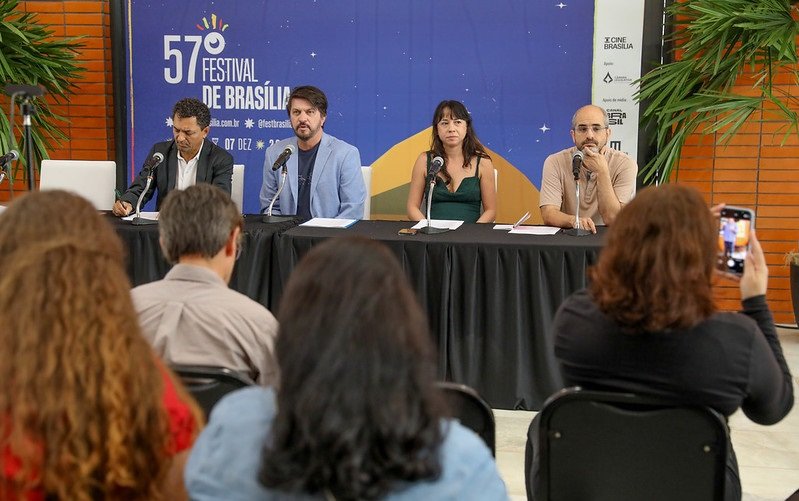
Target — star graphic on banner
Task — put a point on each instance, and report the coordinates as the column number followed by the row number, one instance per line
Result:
column 560, row 5
column 313, row 54
column 169, row 122
column 248, row 123
column 259, row 145
column 544, row 128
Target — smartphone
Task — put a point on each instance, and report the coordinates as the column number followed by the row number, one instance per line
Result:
column 735, row 226
column 407, row 231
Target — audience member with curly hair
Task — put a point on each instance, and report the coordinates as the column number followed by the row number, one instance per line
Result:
column 87, row 411
column 357, row 414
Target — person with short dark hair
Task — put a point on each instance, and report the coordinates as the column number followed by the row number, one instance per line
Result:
column 188, row 159
column 87, row 411
column 465, row 189
column 647, row 323
column 606, row 177
column 357, row 414
column 192, row 316
column 324, row 173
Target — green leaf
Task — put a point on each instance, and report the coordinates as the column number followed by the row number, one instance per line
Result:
column 721, row 41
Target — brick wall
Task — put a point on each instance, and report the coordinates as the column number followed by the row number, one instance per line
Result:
column 754, row 170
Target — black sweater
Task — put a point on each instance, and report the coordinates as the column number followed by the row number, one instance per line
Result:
column 727, row 361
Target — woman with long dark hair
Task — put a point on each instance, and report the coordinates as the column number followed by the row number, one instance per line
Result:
column 464, row 187
column 357, row 415
column 647, row 324
column 87, row 411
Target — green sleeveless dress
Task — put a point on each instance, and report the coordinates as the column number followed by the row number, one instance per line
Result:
column 462, row 205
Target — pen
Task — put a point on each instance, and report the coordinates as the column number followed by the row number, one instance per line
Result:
column 522, row 219
column 117, row 195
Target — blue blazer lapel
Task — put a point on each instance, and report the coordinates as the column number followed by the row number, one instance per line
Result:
column 322, row 157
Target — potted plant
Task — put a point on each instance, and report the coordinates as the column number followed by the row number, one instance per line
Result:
column 30, row 54
column 719, row 43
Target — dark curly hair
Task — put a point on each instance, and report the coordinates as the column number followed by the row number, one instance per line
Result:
column 358, row 411
column 189, row 107
column 656, row 270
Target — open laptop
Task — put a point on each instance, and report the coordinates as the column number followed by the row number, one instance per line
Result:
column 92, row 179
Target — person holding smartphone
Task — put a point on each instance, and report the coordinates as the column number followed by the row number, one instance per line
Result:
column 647, row 323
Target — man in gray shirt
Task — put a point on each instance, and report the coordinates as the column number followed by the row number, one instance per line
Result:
column 192, row 316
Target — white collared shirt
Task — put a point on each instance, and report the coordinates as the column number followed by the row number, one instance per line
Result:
column 187, row 170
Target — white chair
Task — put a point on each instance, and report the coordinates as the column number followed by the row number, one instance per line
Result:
column 366, row 171
column 94, row 180
column 237, row 186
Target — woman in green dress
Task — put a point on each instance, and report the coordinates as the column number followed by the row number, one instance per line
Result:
column 464, row 188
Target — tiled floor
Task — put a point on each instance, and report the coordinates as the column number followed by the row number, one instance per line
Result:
column 768, row 456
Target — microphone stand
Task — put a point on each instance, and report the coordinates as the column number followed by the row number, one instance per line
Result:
column 5, row 172
column 27, row 110
column 431, row 230
column 138, row 220
column 269, row 218
column 577, row 231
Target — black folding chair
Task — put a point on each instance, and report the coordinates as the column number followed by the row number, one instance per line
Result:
column 471, row 410
column 208, row 384
column 619, row 446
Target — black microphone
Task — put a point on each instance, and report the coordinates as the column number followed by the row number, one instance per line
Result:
column 436, row 165
column 9, row 157
column 154, row 161
column 283, row 158
column 27, row 90
column 577, row 162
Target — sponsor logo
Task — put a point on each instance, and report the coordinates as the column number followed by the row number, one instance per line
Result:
column 616, row 78
column 617, row 43
column 616, row 117
column 616, row 145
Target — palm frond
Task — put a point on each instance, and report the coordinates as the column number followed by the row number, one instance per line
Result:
column 722, row 43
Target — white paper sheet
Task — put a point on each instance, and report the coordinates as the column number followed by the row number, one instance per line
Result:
column 144, row 215
column 329, row 222
column 439, row 223
column 535, row 230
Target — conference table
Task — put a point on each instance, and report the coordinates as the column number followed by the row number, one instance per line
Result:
column 490, row 296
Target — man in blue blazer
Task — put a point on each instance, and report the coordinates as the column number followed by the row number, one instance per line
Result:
column 188, row 159
column 324, row 173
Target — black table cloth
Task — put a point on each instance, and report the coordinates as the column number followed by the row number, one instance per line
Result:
column 490, row 296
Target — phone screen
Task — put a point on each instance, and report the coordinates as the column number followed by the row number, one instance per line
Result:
column 735, row 225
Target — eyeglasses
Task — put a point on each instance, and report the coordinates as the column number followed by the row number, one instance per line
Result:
column 583, row 129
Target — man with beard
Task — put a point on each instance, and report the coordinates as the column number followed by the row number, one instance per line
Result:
column 607, row 176
column 324, row 174
column 187, row 160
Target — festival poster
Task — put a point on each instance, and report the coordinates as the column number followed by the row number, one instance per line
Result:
column 522, row 68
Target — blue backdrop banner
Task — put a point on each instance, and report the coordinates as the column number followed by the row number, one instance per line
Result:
column 522, row 68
